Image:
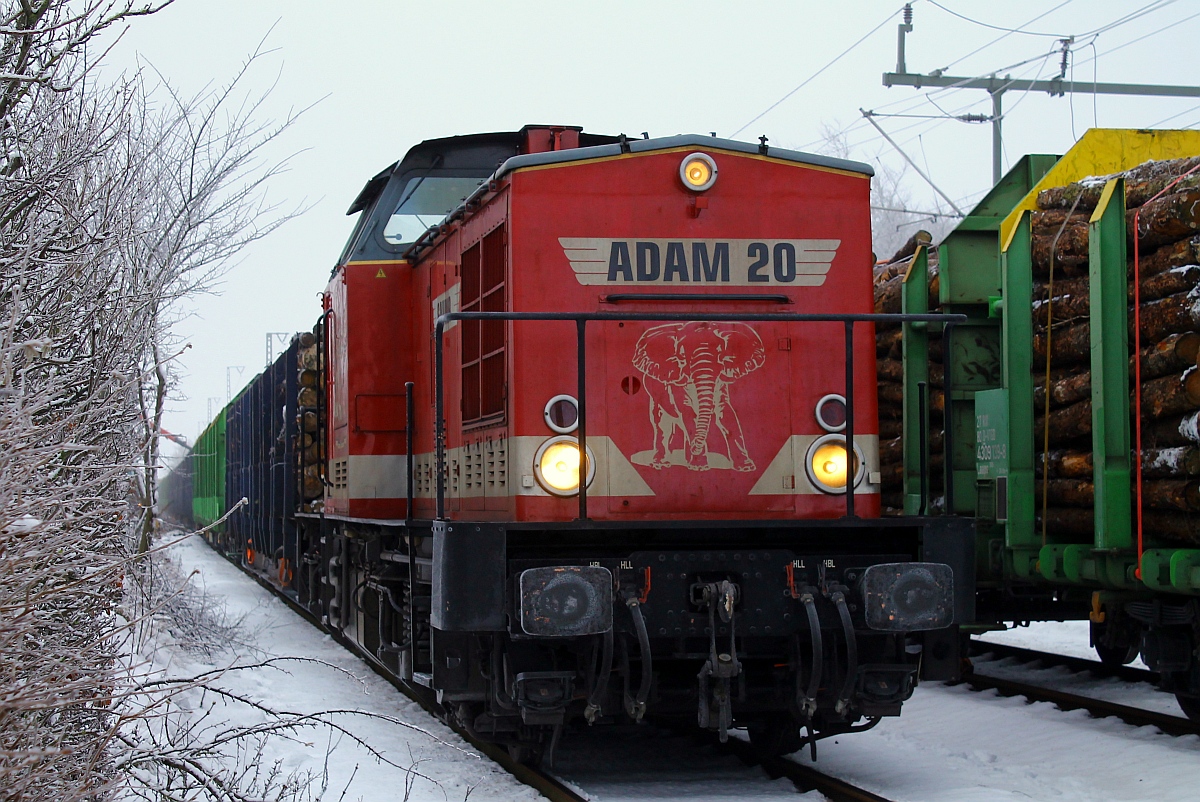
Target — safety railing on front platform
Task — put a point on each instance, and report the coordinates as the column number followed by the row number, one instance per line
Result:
column 581, row 319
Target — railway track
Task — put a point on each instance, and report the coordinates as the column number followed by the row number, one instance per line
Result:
column 660, row 760
column 558, row 789
column 805, row 778
column 1065, row 700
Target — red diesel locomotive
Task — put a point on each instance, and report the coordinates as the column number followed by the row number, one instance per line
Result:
column 586, row 406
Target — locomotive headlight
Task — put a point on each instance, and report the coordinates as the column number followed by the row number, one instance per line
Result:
column 698, row 172
column 908, row 597
column 566, row 600
column 828, row 464
column 557, row 466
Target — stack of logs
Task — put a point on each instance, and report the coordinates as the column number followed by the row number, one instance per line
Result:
column 1168, row 241
column 889, row 280
column 1167, row 237
column 310, row 448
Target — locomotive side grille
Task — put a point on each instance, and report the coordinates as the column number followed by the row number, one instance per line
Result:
column 472, row 468
column 341, row 474
column 484, row 265
column 497, row 468
column 423, row 482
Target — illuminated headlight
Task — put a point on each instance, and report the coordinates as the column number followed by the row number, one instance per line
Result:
column 557, row 468
column 566, row 600
column 698, row 172
column 828, row 465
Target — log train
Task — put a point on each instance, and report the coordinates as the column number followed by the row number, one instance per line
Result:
column 1075, row 397
column 569, row 438
column 572, row 437
column 590, row 436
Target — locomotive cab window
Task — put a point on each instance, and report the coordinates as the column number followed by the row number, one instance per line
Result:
column 425, row 200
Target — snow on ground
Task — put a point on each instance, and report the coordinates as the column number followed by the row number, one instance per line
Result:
column 951, row 744
column 959, row 745
column 1058, row 637
column 431, row 761
column 1071, row 638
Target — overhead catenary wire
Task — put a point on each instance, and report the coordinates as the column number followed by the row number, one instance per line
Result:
column 816, row 74
column 1149, row 8
column 928, row 95
column 916, row 212
column 1155, row 32
column 920, row 172
column 925, row 123
column 954, row 13
column 1003, row 36
column 925, row 97
column 1173, row 116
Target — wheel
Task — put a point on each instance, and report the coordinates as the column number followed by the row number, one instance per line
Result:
column 1190, row 705
column 779, row 735
column 1110, row 649
column 524, row 753
column 1116, row 655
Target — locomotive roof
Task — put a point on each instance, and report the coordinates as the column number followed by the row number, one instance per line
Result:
column 488, row 157
column 470, row 149
column 489, row 150
column 679, row 141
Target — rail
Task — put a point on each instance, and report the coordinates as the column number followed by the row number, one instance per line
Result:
column 581, row 319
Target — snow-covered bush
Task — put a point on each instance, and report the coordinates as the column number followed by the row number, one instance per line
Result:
column 113, row 206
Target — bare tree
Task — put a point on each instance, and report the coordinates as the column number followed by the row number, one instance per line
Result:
column 203, row 179
column 109, row 214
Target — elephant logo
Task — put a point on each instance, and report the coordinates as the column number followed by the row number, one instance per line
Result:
column 688, row 370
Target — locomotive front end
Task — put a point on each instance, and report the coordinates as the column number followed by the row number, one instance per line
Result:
column 670, row 341
column 597, row 440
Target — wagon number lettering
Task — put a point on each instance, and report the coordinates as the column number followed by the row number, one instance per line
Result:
column 626, row 565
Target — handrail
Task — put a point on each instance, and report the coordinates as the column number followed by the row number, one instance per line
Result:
column 706, row 297
column 581, row 319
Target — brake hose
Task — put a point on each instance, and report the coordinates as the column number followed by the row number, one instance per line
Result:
column 639, row 624
column 601, row 687
column 808, row 705
column 851, row 652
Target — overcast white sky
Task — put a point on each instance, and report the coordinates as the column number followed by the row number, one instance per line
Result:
column 389, row 73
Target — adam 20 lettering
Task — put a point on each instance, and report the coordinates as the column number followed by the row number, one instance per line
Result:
column 648, row 262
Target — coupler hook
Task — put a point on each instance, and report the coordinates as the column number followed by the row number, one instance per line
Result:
column 720, row 598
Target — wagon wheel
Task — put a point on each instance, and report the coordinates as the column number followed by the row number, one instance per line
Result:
column 1116, row 655
column 1190, row 705
column 1186, row 685
column 1110, row 649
